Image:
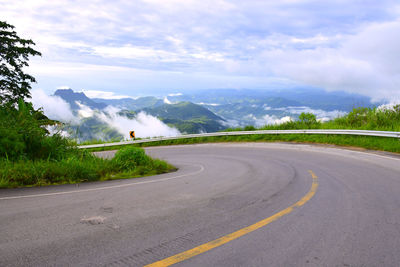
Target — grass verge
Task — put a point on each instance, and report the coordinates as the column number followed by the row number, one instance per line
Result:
column 367, row 142
column 129, row 162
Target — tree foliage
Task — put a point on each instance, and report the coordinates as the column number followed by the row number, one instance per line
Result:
column 308, row 119
column 23, row 129
column 14, row 55
column 23, row 134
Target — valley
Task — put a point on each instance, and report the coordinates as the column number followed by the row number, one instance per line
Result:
column 199, row 111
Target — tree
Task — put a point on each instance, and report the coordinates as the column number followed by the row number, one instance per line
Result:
column 23, row 129
column 14, row 55
column 308, row 119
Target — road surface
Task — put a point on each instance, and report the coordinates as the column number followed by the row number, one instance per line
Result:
column 251, row 204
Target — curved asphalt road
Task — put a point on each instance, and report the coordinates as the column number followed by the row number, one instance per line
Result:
column 352, row 220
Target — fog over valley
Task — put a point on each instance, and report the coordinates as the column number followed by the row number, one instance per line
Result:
column 107, row 123
column 175, row 67
column 107, row 116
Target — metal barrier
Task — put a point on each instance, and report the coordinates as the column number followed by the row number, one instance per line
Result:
column 341, row 132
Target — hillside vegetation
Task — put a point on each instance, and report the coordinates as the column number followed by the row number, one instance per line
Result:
column 379, row 119
column 248, row 107
column 382, row 119
column 29, row 154
column 187, row 117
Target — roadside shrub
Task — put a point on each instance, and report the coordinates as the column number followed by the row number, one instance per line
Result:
column 160, row 166
column 11, row 144
column 249, row 128
column 55, row 147
column 23, row 135
column 309, row 120
column 128, row 158
column 358, row 117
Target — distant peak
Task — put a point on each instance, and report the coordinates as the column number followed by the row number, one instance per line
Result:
column 65, row 90
column 71, row 97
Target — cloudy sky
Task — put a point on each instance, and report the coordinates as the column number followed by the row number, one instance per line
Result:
column 142, row 46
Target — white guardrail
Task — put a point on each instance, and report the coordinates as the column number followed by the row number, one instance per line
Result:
column 344, row 132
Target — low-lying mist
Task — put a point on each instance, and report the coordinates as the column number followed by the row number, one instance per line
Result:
column 143, row 124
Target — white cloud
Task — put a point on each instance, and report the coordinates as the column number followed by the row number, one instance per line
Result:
column 367, row 62
column 389, row 106
column 57, row 130
column 104, row 94
column 347, row 45
column 54, row 107
column 75, row 69
column 271, row 120
column 319, row 113
column 318, row 39
column 266, row 107
column 143, row 124
column 293, row 112
column 63, row 87
column 166, row 101
column 208, row 104
column 230, row 123
column 85, row 111
column 175, row 94
column 132, row 52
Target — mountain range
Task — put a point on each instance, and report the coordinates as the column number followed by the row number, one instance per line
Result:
column 211, row 110
column 187, row 117
column 73, row 98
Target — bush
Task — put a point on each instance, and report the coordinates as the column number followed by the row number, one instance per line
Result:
column 23, row 135
column 308, row 119
column 383, row 119
column 160, row 166
column 249, row 128
column 358, row 117
column 128, row 158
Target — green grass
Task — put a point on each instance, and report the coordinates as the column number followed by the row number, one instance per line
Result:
column 359, row 119
column 385, row 119
column 367, row 142
column 129, row 162
column 31, row 156
column 99, row 141
column 57, row 161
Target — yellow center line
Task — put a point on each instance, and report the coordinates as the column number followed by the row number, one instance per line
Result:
column 232, row 236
